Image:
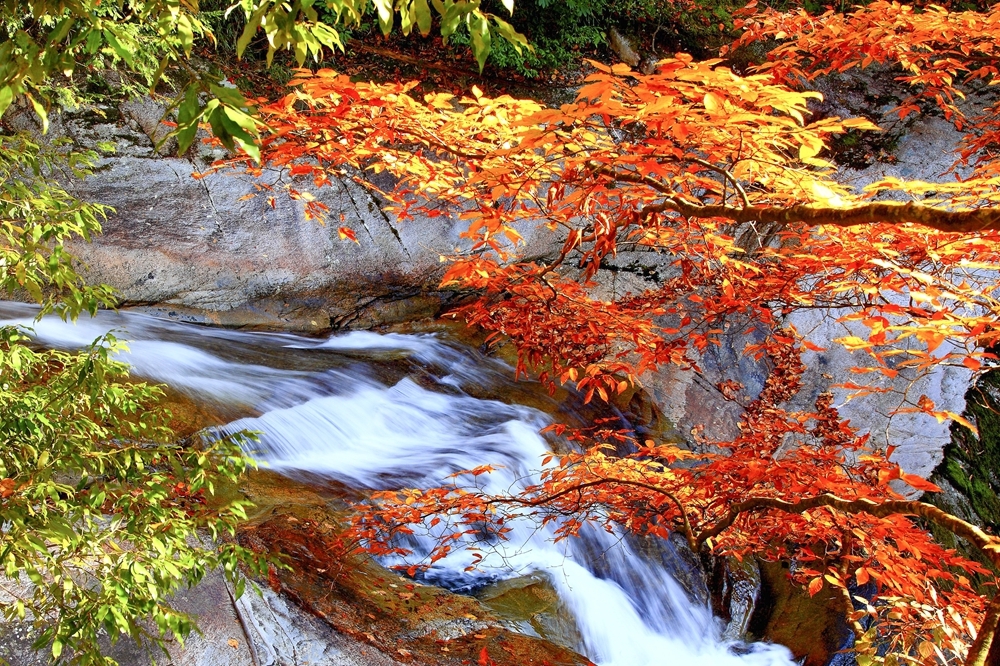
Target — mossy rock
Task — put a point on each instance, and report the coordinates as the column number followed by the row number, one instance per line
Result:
column 812, row 627
column 533, row 606
column 969, row 473
column 971, row 463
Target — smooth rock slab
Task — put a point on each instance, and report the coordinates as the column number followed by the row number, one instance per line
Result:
column 281, row 634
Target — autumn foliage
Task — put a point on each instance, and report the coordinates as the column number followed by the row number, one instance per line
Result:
column 726, row 180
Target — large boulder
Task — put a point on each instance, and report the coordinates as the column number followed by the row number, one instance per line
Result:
column 691, row 400
column 236, row 250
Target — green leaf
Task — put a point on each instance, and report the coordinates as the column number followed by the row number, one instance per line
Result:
column 407, row 18
column 450, row 19
column 159, row 72
column 507, row 31
column 122, row 52
column 60, row 31
column 328, row 36
column 188, row 115
column 385, row 13
column 479, row 28
column 253, row 23
column 40, row 112
column 423, row 14
column 6, row 97
column 185, row 32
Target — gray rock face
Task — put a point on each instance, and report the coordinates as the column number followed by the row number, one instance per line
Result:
column 692, row 400
column 919, row 439
column 215, row 244
column 281, row 634
column 233, row 250
column 262, row 629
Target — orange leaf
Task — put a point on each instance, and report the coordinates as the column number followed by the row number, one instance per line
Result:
column 972, row 363
column 919, row 483
column 713, row 103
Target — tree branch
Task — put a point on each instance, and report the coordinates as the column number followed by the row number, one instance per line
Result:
column 890, row 212
column 548, row 499
column 990, row 546
column 979, row 652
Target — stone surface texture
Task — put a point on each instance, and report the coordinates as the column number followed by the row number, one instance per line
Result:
column 234, row 250
column 262, row 628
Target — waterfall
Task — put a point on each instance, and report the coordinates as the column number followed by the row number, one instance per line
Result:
column 387, row 411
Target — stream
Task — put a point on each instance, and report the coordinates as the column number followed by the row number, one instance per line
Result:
column 373, row 411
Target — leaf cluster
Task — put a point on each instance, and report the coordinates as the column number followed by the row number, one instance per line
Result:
column 722, row 180
column 105, row 515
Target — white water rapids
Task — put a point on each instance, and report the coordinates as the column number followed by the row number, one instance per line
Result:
column 388, row 411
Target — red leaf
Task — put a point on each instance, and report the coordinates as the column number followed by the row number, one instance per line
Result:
column 919, row 483
column 347, row 234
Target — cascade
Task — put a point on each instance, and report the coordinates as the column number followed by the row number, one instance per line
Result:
column 375, row 411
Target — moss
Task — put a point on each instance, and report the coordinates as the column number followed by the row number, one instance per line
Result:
column 971, row 462
column 967, row 475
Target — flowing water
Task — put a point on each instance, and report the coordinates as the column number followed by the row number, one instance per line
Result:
column 385, row 411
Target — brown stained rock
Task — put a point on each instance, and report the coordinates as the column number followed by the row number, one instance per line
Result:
column 813, row 628
column 411, row 622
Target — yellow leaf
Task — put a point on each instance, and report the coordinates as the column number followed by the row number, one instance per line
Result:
column 713, row 103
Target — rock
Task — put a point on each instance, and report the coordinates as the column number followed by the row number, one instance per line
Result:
column 211, row 245
column 220, row 643
column 282, row 634
column 261, row 628
column 735, row 590
column 919, row 439
column 924, row 151
column 238, row 251
column 392, row 614
column 813, row 628
column 532, row 605
column 622, row 46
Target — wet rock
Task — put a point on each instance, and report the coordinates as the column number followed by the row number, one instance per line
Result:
column 735, row 591
column 394, row 615
column 532, row 605
column 622, row 46
column 813, row 628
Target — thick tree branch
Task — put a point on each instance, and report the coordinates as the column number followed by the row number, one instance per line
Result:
column 990, row 546
column 979, row 653
column 889, row 212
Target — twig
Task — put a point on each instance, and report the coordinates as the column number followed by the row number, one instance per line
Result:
column 243, row 623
